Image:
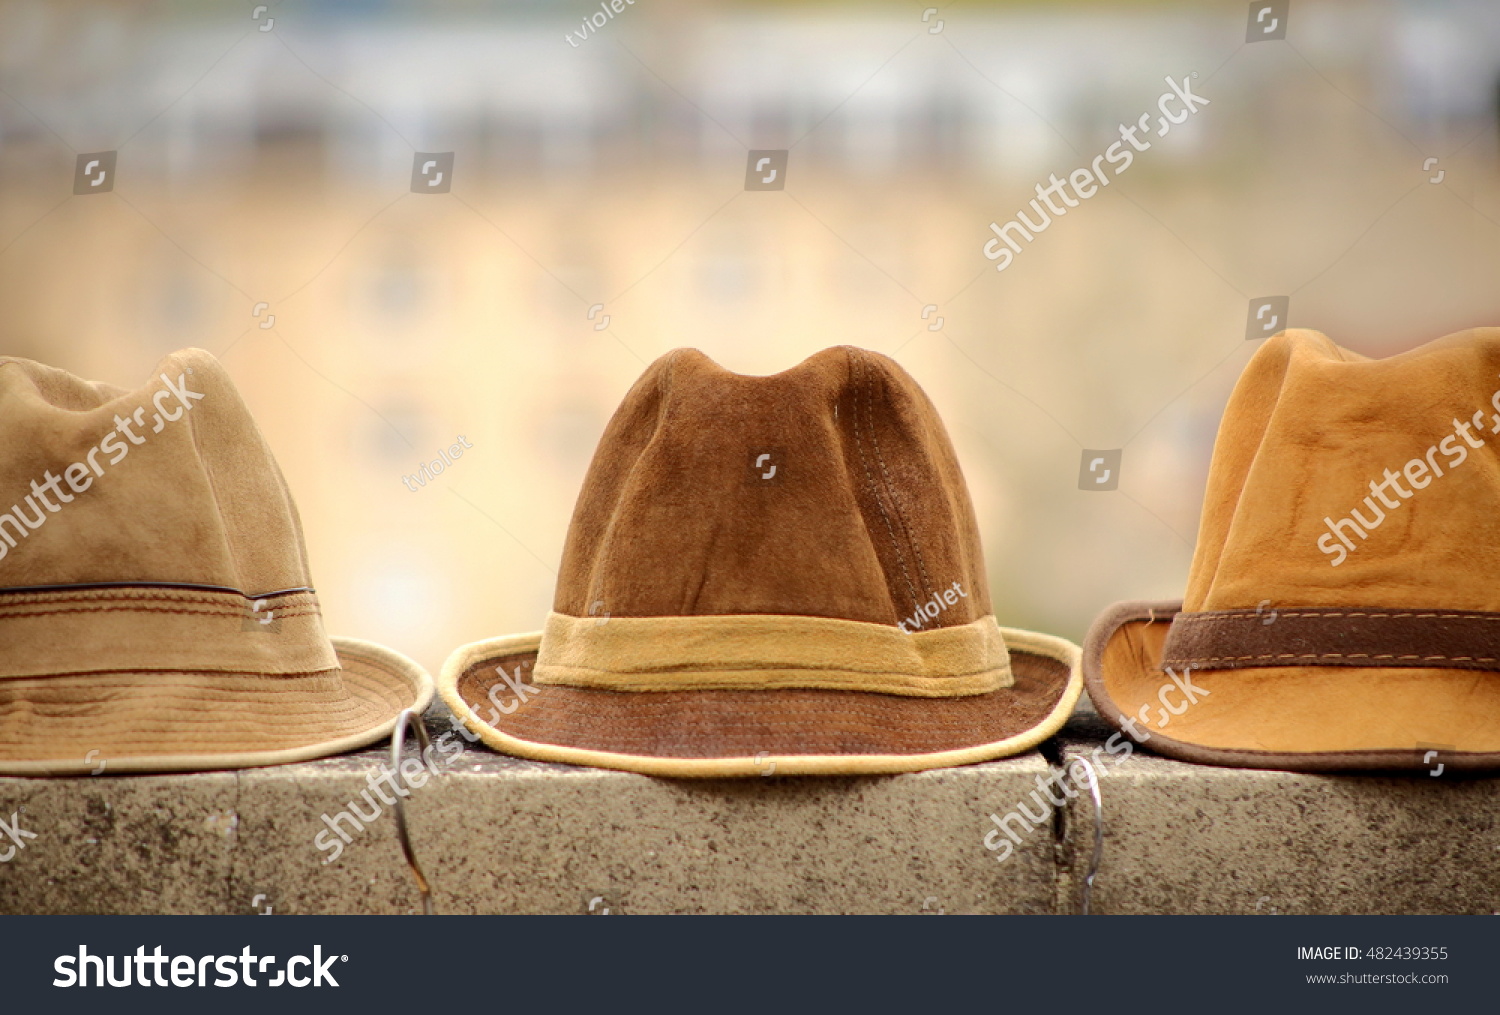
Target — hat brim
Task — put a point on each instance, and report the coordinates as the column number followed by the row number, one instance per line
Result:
column 785, row 731
column 107, row 723
column 1295, row 718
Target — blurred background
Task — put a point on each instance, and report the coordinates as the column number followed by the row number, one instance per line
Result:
column 266, row 155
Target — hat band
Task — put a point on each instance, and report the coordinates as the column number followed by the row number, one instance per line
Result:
column 112, row 627
column 1337, row 636
column 765, row 652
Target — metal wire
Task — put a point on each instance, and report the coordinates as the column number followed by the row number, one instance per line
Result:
column 398, row 740
column 1098, row 854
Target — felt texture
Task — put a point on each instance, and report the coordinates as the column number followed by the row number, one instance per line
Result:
column 785, row 564
column 156, row 610
column 1308, row 429
column 867, row 517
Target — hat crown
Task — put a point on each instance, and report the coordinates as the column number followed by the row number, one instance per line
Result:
column 827, row 490
column 169, row 482
column 1339, row 480
column 155, row 613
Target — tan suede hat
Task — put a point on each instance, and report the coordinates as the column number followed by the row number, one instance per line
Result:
column 1343, row 608
column 769, row 575
column 156, row 612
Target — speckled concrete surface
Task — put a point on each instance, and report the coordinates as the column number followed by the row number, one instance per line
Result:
column 1184, row 838
column 500, row 835
column 118, row 844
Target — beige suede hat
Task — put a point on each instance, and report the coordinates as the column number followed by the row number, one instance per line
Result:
column 156, row 612
column 770, row 576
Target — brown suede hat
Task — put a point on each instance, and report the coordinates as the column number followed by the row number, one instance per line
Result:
column 769, row 575
column 1343, row 608
column 156, row 612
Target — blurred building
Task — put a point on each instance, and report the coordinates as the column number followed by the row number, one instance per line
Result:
column 274, row 166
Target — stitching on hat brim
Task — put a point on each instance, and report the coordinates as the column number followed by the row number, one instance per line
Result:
column 1115, row 618
column 404, row 677
column 475, row 653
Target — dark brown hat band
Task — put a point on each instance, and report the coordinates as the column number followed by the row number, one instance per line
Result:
column 1342, row 636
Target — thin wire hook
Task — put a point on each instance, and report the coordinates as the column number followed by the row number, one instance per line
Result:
column 1098, row 854
column 407, row 719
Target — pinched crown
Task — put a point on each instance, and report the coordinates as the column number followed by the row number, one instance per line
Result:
column 827, row 490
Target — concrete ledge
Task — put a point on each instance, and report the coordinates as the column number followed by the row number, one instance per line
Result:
column 1190, row 839
column 500, row 835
